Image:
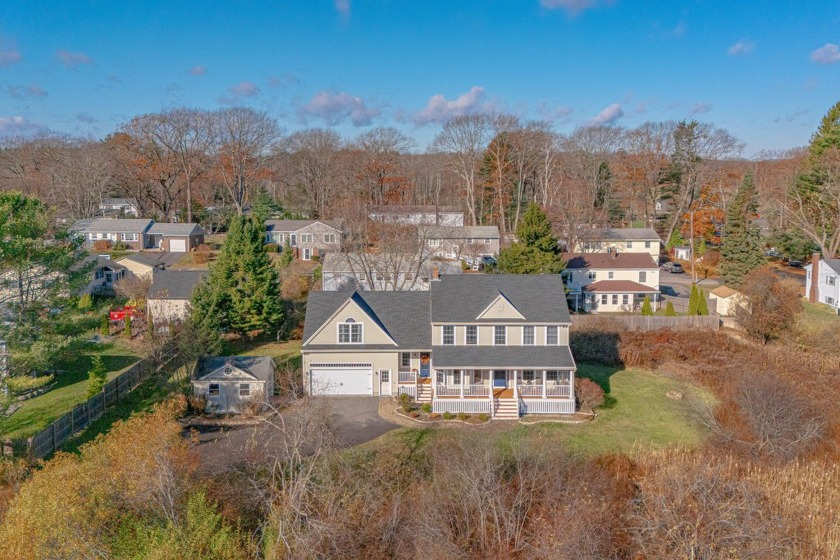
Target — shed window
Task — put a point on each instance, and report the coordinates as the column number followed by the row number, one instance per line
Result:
column 213, row 390
column 244, row 389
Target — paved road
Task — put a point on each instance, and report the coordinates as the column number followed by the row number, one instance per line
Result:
column 355, row 420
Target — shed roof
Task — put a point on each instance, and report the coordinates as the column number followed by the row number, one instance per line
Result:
column 261, row 367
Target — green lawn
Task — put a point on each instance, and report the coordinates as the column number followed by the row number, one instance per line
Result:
column 280, row 351
column 37, row 413
column 816, row 317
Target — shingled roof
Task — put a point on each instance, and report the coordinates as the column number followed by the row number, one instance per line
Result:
column 175, row 284
column 614, row 260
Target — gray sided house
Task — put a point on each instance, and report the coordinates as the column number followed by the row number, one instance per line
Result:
column 175, row 238
column 382, row 272
column 417, row 215
column 104, row 276
column 169, row 295
column 822, row 281
column 232, row 383
column 461, row 242
column 493, row 344
column 133, row 233
column 307, row 238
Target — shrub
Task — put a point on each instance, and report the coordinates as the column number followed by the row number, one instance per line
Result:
column 272, row 248
column 105, row 325
column 434, row 416
column 203, row 248
column 447, row 415
column 97, row 376
column 669, row 310
column 462, row 416
column 201, row 258
column 127, row 329
column 85, row 302
column 406, row 402
column 22, row 384
column 101, row 245
column 646, row 307
column 589, row 394
column 426, row 407
column 483, row 417
column 120, row 246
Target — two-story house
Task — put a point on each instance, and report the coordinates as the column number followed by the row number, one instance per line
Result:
column 307, row 238
column 116, row 207
column 612, row 281
column 461, row 242
column 495, row 344
column 417, row 215
column 382, row 271
column 822, row 281
column 625, row 240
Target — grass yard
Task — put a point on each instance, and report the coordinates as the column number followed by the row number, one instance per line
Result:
column 817, row 317
column 37, row 413
column 281, row 351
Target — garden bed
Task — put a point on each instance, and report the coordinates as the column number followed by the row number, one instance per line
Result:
column 423, row 414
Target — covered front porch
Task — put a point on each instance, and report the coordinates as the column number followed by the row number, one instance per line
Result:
column 502, row 383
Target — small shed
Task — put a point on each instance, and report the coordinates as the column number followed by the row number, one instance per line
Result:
column 682, row 253
column 724, row 300
column 231, row 383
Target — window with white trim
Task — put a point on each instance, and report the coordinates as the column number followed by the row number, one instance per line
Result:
column 647, row 244
column 592, row 275
column 306, row 238
column 213, row 390
column 329, row 238
column 831, row 280
column 551, row 335
column 350, row 332
column 829, row 300
column 244, row 389
column 472, row 335
column 441, row 377
column 405, row 360
column 499, row 335
column 552, row 375
column 307, row 254
column 528, row 336
column 128, row 236
column 448, row 335
column 528, row 375
column 476, row 377
column 604, row 299
column 456, row 377
column 433, row 242
column 610, row 275
column 488, row 241
column 629, row 244
column 625, row 299
column 642, row 276
column 615, row 299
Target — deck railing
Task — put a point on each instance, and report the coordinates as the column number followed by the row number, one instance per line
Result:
column 477, row 390
column 407, row 377
column 550, row 391
column 448, row 390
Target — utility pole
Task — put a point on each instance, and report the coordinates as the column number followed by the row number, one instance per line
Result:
column 691, row 249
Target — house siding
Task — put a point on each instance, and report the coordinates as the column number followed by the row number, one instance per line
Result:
column 162, row 310
column 371, row 332
column 826, row 293
column 229, row 399
column 603, row 246
column 317, row 246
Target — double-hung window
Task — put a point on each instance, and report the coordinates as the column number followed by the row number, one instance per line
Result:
column 551, row 337
column 552, row 376
column 213, row 390
column 472, row 335
column 629, row 244
column 306, row 238
column 615, row 299
column 604, row 299
column 449, row 334
column 610, row 275
column 244, row 389
column 405, row 360
column 831, row 280
column 647, row 244
column 528, row 375
column 528, row 338
column 329, row 238
column 625, row 299
column 500, row 335
column 642, row 276
column 592, row 275
column 350, row 332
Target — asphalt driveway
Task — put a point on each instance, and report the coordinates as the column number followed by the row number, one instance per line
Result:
column 354, row 420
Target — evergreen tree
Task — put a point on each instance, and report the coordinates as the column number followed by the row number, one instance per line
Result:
column 536, row 251
column 97, row 377
column 286, row 257
column 702, row 304
column 669, row 310
column 264, row 206
column 127, row 329
column 242, row 292
column 741, row 251
column 646, row 307
column 694, row 301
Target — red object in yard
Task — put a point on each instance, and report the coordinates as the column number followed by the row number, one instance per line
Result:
column 119, row 314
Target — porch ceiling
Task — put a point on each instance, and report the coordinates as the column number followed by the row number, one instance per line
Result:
column 502, row 357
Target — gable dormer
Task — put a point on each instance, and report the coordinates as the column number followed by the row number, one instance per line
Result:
column 500, row 308
column 228, row 370
column 353, row 324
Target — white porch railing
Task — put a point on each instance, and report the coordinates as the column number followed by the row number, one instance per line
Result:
column 539, row 406
column 530, row 390
column 407, row 377
column 410, row 390
column 550, row 391
column 477, row 390
column 557, row 391
column 474, row 406
column 448, row 391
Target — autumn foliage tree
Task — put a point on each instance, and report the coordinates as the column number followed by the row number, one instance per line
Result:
column 770, row 305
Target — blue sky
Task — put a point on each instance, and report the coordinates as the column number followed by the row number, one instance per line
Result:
column 766, row 71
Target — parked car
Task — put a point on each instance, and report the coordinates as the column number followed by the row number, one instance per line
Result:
column 795, row 264
column 773, row 254
column 486, row 262
column 673, row 268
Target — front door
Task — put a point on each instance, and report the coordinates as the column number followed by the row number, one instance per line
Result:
column 425, row 370
column 500, row 378
column 384, row 381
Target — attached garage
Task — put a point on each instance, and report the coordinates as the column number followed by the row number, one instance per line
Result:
column 178, row 245
column 341, row 379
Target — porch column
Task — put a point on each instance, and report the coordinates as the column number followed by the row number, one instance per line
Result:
column 515, row 390
column 462, row 383
column 434, row 383
column 545, row 377
column 656, row 302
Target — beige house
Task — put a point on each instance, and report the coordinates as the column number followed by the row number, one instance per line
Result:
column 231, row 383
column 307, row 238
column 624, row 240
column 169, row 296
column 145, row 264
column 611, row 281
column 382, row 272
column 461, row 242
column 494, row 344
column 723, row 300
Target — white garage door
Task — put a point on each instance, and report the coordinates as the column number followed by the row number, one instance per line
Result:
column 178, row 245
column 341, row 379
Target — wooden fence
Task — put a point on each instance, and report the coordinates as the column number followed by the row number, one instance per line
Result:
column 53, row 437
column 646, row 322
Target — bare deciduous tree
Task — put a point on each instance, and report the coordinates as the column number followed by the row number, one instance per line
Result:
column 311, row 156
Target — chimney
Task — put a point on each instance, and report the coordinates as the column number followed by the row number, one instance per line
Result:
column 813, row 294
column 435, row 272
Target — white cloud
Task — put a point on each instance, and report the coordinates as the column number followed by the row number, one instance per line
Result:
column 571, row 7
column 9, row 57
column 826, row 54
column 335, row 107
column 73, row 59
column 699, row 108
column 608, row 116
column 198, row 70
column 439, row 109
column 19, row 126
column 343, row 7
column 741, row 47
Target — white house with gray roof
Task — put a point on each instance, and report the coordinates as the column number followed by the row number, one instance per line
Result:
column 822, row 281
column 382, row 271
column 141, row 234
column 229, row 384
column 116, row 207
column 625, row 240
column 307, row 238
column 494, row 344
column 461, row 242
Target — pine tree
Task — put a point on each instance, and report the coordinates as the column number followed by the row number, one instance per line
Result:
column 286, row 257
column 97, row 377
column 741, row 251
column 646, row 307
column 127, row 328
column 242, row 292
column 702, row 305
column 536, row 251
column 669, row 310
column 694, row 301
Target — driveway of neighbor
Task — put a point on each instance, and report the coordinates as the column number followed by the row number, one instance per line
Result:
column 355, row 420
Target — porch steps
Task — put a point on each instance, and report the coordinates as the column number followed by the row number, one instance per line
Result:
column 424, row 392
column 505, row 409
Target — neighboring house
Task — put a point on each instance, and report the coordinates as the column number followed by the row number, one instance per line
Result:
column 625, row 240
column 826, row 289
column 307, row 238
column 169, row 295
column 458, row 242
column 133, row 233
column 612, row 281
column 382, row 272
column 119, row 207
column 682, row 253
column 104, row 276
column 723, row 300
column 175, row 238
column 417, row 215
column 145, row 264
column 476, row 343
column 232, row 383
